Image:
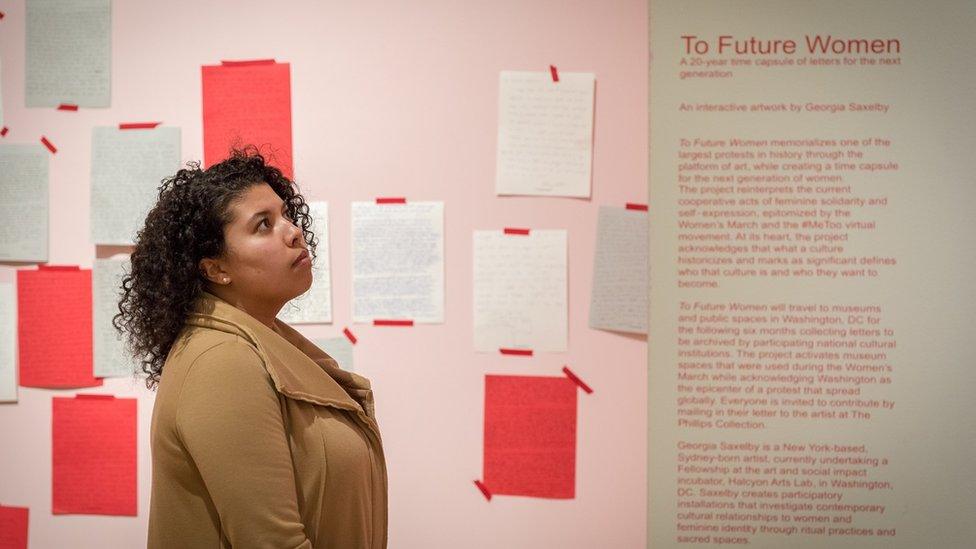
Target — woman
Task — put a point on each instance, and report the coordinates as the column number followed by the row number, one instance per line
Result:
column 258, row 438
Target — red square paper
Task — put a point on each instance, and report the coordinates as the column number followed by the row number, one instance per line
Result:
column 248, row 103
column 54, row 327
column 530, row 436
column 94, row 455
column 13, row 527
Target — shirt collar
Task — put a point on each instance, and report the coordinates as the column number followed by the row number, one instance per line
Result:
column 298, row 368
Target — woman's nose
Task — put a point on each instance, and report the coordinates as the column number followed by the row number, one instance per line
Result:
column 294, row 233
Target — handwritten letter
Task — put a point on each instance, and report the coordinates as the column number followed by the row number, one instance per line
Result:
column 111, row 357
column 619, row 298
column 23, row 196
column 545, row 134
column 127, row 168
column 315, row 305
column 69, row 53
column 8, row 343
column 520, row 291
column 339, row 348
column 398, row 261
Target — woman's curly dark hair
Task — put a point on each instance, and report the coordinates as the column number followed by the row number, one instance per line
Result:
column 185, row 226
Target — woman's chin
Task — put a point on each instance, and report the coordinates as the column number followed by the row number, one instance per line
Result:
column 308, row 281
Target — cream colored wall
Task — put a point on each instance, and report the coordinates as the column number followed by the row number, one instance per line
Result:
column 927, row 226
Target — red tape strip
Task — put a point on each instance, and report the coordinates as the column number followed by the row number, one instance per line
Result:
column 377, row 322
column 639, row 207
column 555, row 73
column 247, row 63
column 349, row 335
column 45, row 267
column 3, row 132
column 67, row 107
column 96, row 397
column 512, row 230
column 48, row 144
column 395, row 200
column 484, row 489
column 517, row 352
column 138, row 125
column 577, row 380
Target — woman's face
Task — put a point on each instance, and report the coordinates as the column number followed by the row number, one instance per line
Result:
column 262, row 244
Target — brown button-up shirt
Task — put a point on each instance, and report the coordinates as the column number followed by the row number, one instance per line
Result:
column 259, row 439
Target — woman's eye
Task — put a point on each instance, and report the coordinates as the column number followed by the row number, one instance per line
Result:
column 265, row 222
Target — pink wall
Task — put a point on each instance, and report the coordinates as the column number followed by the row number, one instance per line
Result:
column 389, row 99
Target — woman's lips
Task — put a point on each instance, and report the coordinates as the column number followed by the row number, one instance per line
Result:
column 302, row 258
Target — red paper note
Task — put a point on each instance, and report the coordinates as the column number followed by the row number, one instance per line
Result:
column 94, row 455
column 530, row 436
column 13, row 527
column 54, row 327
column 248, row 104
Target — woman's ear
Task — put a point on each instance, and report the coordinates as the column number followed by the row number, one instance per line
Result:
column 210, row 269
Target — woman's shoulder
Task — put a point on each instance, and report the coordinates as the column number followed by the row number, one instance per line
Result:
column 204, row 368
column 194, row 341
column 203, row 353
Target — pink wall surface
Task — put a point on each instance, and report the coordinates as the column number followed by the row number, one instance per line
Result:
column 388, row 99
